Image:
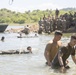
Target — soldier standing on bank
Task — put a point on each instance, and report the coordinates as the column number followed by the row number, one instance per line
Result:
column 56, row 13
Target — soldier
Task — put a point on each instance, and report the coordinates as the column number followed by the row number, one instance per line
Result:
column 2, row 38
column 52, row 47
column 56, row 13
column 64, row 52
column 63, row 24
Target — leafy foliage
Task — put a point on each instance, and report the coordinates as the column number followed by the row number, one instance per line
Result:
column 8, row 16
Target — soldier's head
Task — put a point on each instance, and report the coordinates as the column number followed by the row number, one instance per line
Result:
column 29, row 48
column 58, row 34
column 2, row 39
column 73, row 40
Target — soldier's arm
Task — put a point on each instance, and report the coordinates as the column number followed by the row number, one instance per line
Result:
column 74, row 58
column 60, row 58
column 46, row 53
column 62, row 69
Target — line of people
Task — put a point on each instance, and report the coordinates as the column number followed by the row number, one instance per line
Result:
column 56, row 55
column 62, row 22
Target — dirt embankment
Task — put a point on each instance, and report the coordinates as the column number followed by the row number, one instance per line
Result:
column 32, row 27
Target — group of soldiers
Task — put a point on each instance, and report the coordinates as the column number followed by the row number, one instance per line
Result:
column 62, row 22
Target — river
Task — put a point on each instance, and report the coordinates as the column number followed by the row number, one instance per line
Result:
column 28, row 64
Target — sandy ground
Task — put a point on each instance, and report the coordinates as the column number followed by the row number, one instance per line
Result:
column 32, row 27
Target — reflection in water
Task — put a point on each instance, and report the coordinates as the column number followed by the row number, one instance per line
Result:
column 28, row 64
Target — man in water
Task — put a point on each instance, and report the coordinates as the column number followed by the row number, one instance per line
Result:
column 2, row 38
column 59, row 62
column 29, row 50
column 52, row 47
column 57, row 13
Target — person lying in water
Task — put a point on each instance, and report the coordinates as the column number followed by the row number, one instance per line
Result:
column 59, row 62
column 29, row 50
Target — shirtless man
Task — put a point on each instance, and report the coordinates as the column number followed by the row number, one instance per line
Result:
column 59, row 62
column 52, row 47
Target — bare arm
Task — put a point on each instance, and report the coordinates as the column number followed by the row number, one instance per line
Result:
column 60, row 59
column 74, row 58
column 46, row 53
column 62, row 69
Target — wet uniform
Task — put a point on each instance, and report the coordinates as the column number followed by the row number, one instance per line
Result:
column 66, row 51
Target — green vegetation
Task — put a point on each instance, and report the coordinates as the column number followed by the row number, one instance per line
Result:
column 12, row 17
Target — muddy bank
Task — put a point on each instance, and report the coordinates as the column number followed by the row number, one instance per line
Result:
column 32, row 28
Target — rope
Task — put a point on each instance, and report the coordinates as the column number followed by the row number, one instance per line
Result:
column 11, row 2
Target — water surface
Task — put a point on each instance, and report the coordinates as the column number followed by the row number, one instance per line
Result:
column 28, row 64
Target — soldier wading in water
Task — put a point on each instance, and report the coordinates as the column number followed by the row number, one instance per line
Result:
column 52, row 47
column 59, row 62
